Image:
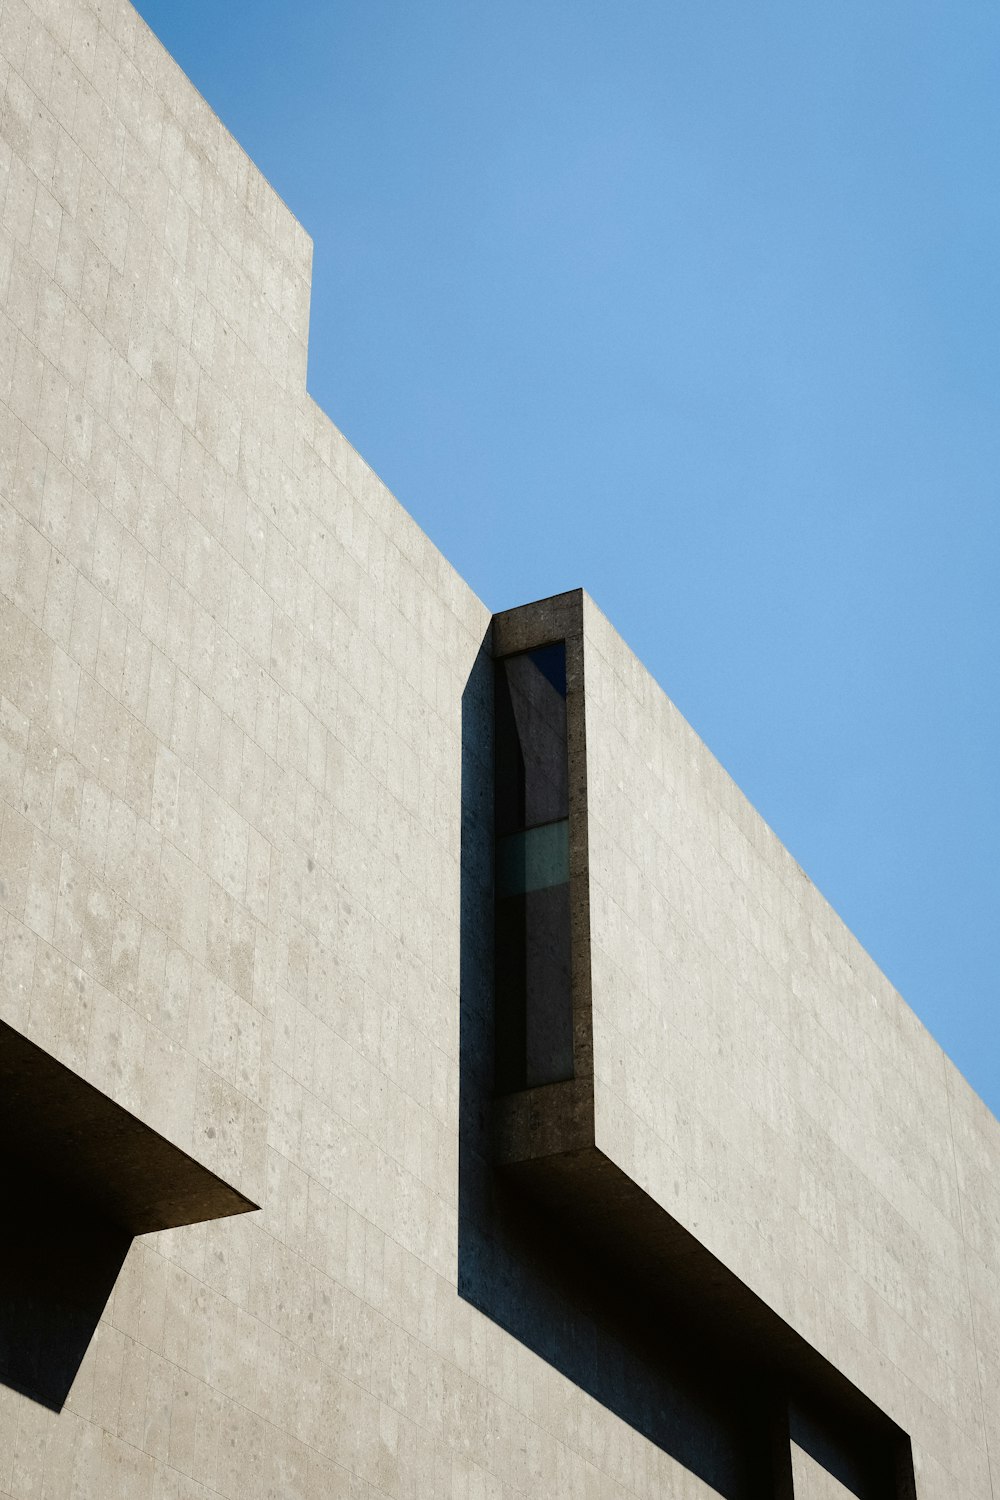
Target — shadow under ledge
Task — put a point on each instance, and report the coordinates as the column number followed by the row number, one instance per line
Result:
column 80, row 1178
column 523, row 1266
column 669, row 1344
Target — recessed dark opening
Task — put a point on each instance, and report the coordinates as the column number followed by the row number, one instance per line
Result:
column 534, row 1008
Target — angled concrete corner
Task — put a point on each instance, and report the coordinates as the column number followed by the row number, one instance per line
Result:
column 60, row 1129
column 81, row 1176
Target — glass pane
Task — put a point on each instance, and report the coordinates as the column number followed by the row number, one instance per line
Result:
column 532, row 860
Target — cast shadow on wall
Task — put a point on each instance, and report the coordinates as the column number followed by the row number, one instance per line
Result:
column 589, row 1273
column 58, row 1265
column 81, row 1176
column 520, row 1268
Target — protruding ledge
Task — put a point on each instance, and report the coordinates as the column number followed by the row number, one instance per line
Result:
column 56, row 1124
column 545, row 1141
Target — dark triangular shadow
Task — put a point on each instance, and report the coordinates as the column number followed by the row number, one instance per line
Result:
column 58, row 1266
column 81, row 1176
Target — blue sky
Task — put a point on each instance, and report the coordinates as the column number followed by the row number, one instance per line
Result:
column 696, row 304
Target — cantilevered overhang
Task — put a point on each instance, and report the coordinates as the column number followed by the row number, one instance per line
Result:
column 81, row 1176
column 57, row 1126
column 545, row 1146
column 546, row 1143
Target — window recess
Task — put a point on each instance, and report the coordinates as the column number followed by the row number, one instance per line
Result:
column 534, row 1005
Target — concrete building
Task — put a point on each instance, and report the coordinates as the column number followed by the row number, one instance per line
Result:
column 384, row 1116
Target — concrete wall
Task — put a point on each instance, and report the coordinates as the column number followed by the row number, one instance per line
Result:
column 757, row 1075
column 231, row 683
column 231, row 678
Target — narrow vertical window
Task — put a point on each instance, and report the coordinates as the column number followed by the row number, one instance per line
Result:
column 534, row 1009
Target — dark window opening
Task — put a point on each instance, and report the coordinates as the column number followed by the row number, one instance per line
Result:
column 534, row 1008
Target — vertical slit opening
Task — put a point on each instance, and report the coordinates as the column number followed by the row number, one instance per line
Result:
column 532, row 949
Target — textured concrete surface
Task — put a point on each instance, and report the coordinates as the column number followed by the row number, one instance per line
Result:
column 57, row 1126
column 757, row 1075
column 233, row 675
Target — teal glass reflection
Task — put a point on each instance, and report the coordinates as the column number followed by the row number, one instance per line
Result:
column 533, row 860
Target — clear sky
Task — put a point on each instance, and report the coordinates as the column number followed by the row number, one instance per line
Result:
column 695, row 303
